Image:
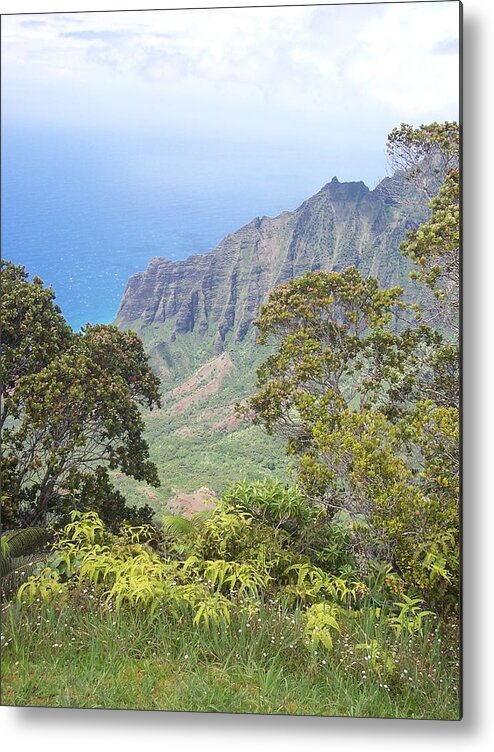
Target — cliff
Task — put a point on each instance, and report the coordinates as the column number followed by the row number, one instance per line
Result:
column 217, row 295
column 195, row 318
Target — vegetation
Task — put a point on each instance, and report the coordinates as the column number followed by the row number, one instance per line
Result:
column 70, row 410
column 434, row 247
column 221, row 613
column 365, row 389
column 20, row 550
column 336, row 595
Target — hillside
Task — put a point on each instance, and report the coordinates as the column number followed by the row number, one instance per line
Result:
column 195, row 317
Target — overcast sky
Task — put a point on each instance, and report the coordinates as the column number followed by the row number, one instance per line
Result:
column 348, row 73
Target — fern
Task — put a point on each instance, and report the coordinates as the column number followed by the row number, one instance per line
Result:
column 320, row 621
column 28, row 540
column 20, row 551
column 15, row 570
column 271, row 502
column 410, row 618
column 181, row 532
column 177, row 525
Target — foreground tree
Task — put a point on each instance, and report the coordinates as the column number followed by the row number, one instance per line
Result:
column 71, row 406
column 365, row 389
column 33, row 330
column 434, row 247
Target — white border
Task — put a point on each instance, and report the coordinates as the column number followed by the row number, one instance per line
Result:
column 57, row 729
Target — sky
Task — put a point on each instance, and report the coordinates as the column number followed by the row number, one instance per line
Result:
column 297, row 75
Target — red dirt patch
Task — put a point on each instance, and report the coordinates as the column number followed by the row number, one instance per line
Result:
column 229, row 423
column 188, row 503
column 204, row 382
column 226, row 420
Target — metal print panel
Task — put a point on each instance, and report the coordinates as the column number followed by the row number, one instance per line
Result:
column 230, row 360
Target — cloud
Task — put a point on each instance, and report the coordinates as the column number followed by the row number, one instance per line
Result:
column 398, row 66
column 71, row 18
column 342, row 62
column 105, row 35
column 447, row 47
column 33, row 24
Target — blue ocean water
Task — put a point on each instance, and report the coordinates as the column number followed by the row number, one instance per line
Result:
column 86, row 210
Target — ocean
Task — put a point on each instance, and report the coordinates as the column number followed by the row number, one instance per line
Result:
column 86, row 210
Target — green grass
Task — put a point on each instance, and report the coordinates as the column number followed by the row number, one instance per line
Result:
column 259, row 663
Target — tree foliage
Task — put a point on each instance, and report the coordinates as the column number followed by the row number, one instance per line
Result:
column 365, row 388
column 71, row 405
column 434, row 246
column 33, row 329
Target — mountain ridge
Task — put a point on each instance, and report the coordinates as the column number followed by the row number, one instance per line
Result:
column 217, row 295
column 195, row 319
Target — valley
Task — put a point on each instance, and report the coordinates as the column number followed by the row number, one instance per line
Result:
column 196, row 319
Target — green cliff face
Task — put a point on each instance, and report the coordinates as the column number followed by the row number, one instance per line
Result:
column 216, row 296
column 195, row 317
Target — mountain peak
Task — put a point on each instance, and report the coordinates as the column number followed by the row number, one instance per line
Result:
column 216, row 296
column 345, row 189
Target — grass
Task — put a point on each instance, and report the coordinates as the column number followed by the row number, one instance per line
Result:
column 85, row 656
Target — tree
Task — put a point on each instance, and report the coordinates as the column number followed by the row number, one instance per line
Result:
column 425, row 154
column 365, row 387
column 71, row 403
column 33, row 330
column 434, row 247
